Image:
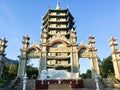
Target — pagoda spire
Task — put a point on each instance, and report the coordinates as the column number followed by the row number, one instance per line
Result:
column 58, row 5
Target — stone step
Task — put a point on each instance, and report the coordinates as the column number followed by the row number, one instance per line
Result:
column 91, row 84
column 59, row 86
column 30, row 85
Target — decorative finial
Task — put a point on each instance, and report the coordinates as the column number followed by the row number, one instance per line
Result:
column 58, row 5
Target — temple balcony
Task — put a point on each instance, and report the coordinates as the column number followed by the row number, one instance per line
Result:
column 58, row 15
column 60, row 33
column 60, row 28
column 67, row 14
column 45, row 24
column 58, row 21
column 58, row 65
column 58, row 57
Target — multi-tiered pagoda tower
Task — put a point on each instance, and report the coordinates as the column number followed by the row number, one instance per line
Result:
column 58, row 40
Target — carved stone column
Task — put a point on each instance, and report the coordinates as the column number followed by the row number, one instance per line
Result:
column 23, row 57
column 3, row 45
column 74, row 52
column 43, row 53
column 115, row 56
column 93, row 56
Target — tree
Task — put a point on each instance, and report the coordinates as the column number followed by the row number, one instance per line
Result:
column 32, row 71
column 13, row 70
column 5, row 72
column 88, row 73
column 106, row 67
column 10, row 71
column 83, row 75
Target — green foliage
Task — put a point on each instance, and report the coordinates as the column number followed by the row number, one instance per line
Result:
column 13, row 69
column 83, row 75
column 32, row 71
column 10, row 71
column 106, row 67
column 88, row 74
column 5, row 72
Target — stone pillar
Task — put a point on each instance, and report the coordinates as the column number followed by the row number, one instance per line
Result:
column 3, row 42
column 23, row 57
column 71, row 59
column 74, row 52
column 115, row 57
column 93, row 57
column 44, row 50
column 43, row 59
column 75, row 59
column 40, row 69
column 43, row 53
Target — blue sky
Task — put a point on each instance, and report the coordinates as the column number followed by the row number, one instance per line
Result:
column 100, row 18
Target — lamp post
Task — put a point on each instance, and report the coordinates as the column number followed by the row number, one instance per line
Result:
column 97, row 80
column 24, row 81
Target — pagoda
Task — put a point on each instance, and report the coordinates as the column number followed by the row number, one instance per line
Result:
column 58, row 48
column 58, row 41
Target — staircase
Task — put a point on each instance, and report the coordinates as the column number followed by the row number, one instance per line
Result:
column 91, row 84
column 29, row 86
column 59, row 86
